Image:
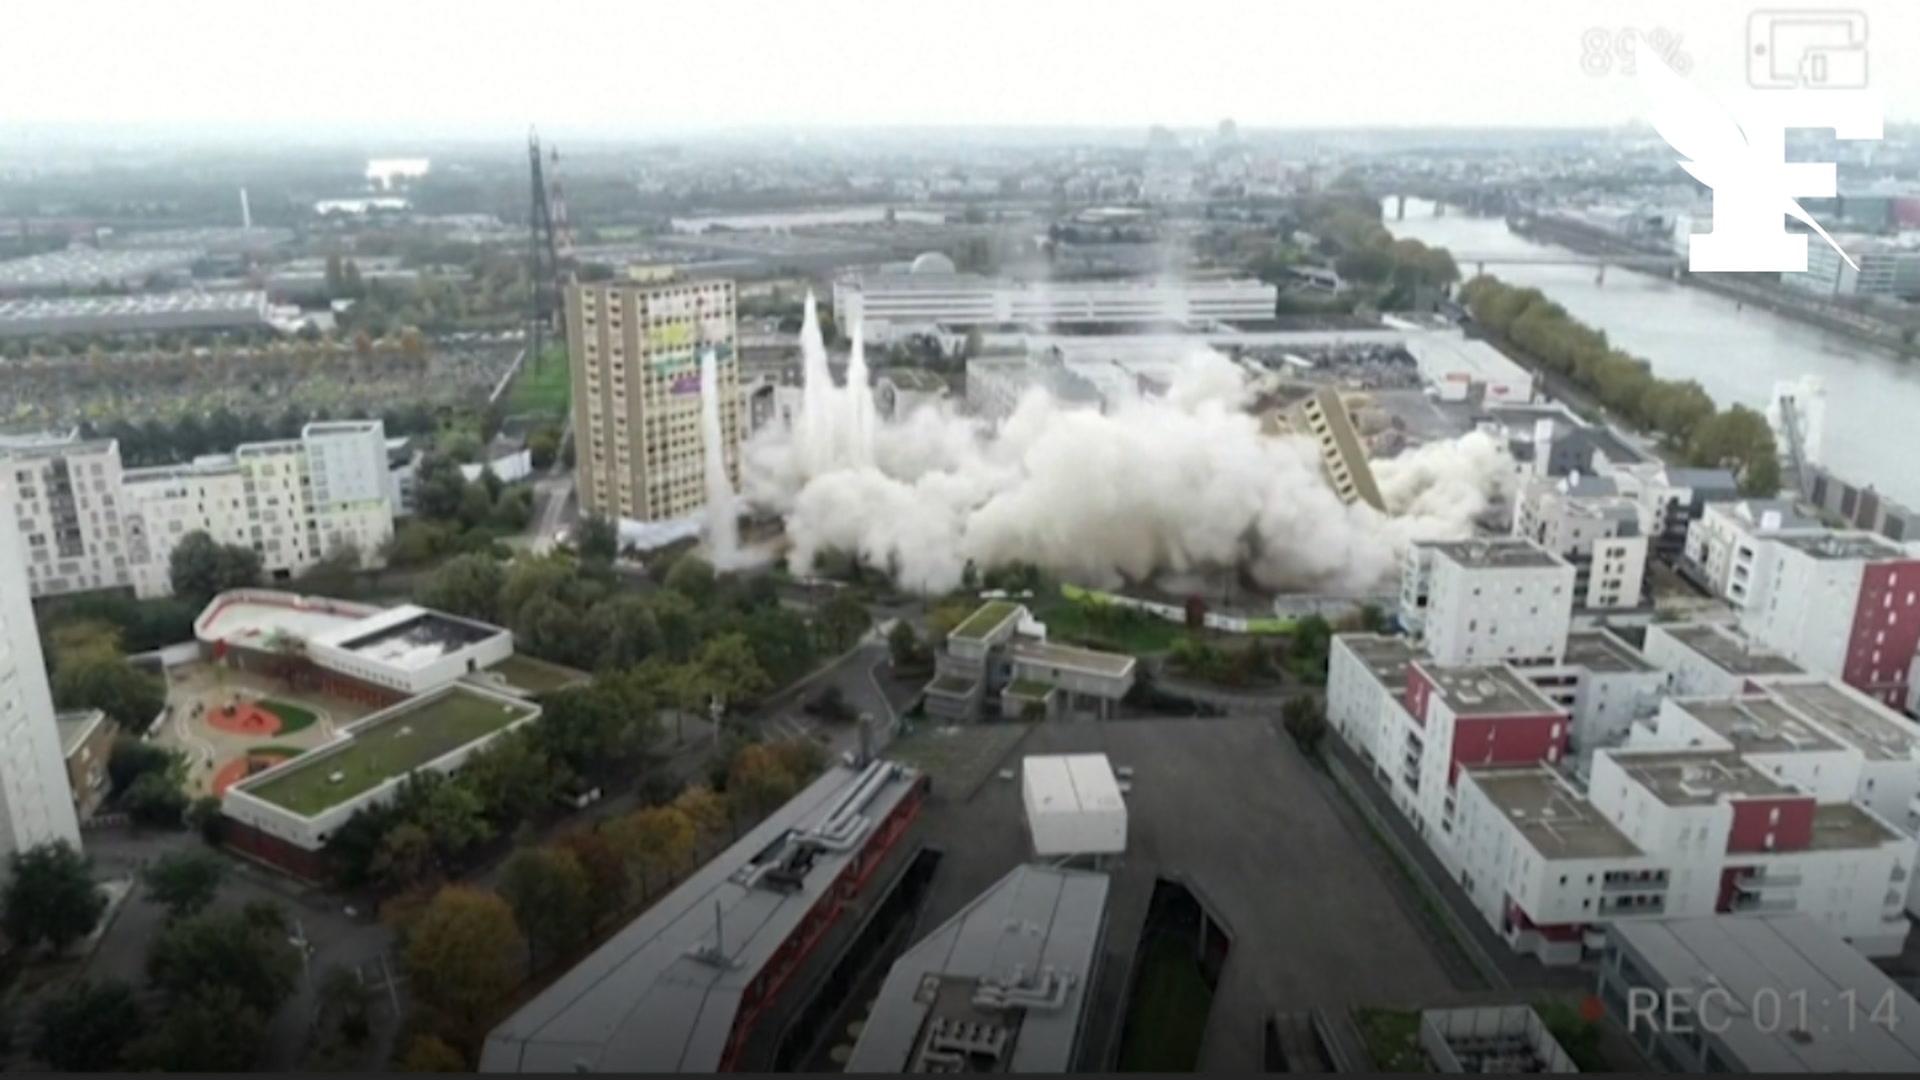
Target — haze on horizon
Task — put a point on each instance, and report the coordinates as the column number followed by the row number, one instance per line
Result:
column 483, row 68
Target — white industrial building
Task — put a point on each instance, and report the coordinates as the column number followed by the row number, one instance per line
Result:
column 90, row 524
column 36, row 798
column 139, row 313
column 1459, row 368
column 1001, row 654
column 1586, row 521
column 890, row 304
column 1073, row 805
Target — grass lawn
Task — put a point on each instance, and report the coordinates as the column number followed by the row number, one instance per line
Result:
column 543, row 387
column 1113, row 628
column 536, row 676
column 292, row 717
column 393, row 747
column 1393, row 1039
column 279, row 749
column 1167, row 1015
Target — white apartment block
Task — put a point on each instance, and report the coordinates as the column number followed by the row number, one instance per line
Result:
column 1840, row 604
column 89, row 524
column 890, row 304
column 36, row 799
column 65, row 496
column 1666, row 833
column 1587, row 522
column 1709, row 660
column 1722, row 545
column 1488, row 601
column 635, row 351
column 1604, row 685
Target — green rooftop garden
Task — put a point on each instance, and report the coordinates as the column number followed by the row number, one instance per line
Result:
column 536, row 676
column 393, row 746
column 991, row 614
column 1029, row 688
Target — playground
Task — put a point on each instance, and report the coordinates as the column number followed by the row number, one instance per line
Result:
column 230, row 724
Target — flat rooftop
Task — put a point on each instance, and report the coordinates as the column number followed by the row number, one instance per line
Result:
column 1036, row 919
column 76, row 725
column 1487, row 690
column 658, row 997
column 252, row 617
column 1385, row 656
column 1875, row 730
column 1728, row 652
column 1784, row 954
column 985, row 620
column 409, row 638
column 1758, row 725
column 1497, row 552
column 1698, row 777
column 1843, row 545
column 1598, row 650
column 1110, row 665
column 1844, row 825
column 1551, row 814
column 384, row 746
column 1204, row 795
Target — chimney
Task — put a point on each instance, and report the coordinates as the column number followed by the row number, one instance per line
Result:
column 865, row 731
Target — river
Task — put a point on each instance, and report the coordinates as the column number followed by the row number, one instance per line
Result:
column 1736, row 353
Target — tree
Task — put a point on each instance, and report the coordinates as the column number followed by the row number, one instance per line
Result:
column 725, row 668
column 757, row 781
column 607, row 884
column 50, row 897
column 633, row 634
column 131, row 759
column 431, row 1054
column 404, row 858
column 551, row 897
column 88, row 1026
column 203, row 816
column 903, row 645
column 707, row 812
column 692, row 577
column 465, row 955
column 130, row 697
column 184, row 882
column 246, row 950
column 468, row 585
column 453, row 815
column 597, row 539
column 1306, row 722
column 654, row 840
column 156, row 799
column 200, row 568
column 845, row 618
column 513, row 777
column 214, row 1028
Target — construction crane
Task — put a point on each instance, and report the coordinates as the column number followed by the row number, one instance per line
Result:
column 549, row 250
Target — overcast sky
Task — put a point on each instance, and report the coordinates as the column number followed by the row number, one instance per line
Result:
column 636, row 67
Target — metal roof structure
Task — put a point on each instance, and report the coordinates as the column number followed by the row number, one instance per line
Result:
column 1856, row 1019
column 1001, row 986
column 662, row 995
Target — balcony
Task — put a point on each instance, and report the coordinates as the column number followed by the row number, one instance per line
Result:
column 1634, row 883
column 1751, row 904
column 1772, row 879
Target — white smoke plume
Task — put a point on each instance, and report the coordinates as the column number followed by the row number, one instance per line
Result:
column 1159, row 485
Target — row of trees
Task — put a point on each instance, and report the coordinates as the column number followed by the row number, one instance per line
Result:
column 1680, row 412
column 159, row 442
column 468, row 950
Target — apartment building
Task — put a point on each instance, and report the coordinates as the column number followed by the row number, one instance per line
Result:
column 1323, row 417
column 635, row 351
column 1711, row 660
column 1488, row 600
column 1586, row 521
column 1661, row 833
column 66, row 498
column 36, row 801
column 1722, row 545
column 87, row 523
column 1840, row 604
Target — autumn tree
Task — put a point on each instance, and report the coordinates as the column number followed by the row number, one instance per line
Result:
column 465, row 955
column 654, row 841
column 551, row 897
